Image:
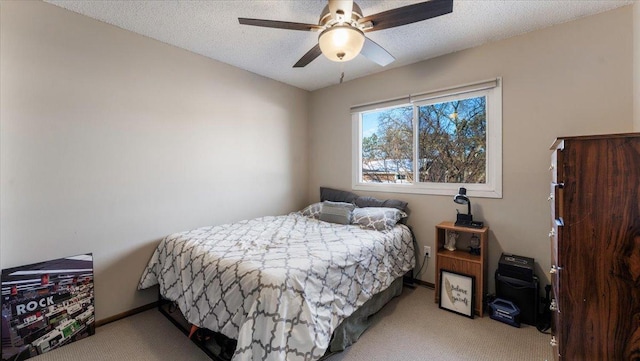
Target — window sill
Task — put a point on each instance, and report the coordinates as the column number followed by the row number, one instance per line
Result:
column 481, row 191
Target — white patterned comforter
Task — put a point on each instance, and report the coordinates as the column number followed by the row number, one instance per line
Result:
column 278, row 285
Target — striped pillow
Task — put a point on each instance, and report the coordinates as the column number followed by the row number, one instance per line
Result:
column 336, row 212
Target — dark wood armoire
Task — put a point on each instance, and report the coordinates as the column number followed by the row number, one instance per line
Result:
column 595, row 247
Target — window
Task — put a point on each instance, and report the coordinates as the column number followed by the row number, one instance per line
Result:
column 431, row 143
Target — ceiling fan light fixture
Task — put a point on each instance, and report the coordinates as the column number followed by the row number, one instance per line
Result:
column 341, row 42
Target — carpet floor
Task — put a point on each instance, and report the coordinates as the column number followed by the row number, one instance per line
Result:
column 411, row 327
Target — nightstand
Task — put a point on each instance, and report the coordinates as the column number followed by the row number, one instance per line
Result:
column 460, row 260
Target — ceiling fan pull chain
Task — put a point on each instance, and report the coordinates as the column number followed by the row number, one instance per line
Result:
column 341, row 72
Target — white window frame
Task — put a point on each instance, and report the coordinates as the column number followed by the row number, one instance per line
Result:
column 491, row 89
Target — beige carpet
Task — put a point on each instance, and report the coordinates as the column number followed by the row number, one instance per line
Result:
column 411, row 327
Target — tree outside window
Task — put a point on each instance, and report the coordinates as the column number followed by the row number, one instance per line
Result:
column 452, row 140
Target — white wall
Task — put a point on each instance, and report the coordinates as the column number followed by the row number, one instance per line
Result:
column 570, row 79
column 110, row 141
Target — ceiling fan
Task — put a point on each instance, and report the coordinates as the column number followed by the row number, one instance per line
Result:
column 342, row 29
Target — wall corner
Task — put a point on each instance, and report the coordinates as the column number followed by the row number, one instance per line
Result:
column 636, row 66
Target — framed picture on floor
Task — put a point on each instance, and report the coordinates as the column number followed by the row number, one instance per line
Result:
column 457, row 292
column 46, row 305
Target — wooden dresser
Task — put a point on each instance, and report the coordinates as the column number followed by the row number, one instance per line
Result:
column 595, row 247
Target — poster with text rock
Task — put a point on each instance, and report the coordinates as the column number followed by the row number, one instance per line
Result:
column 46, row 305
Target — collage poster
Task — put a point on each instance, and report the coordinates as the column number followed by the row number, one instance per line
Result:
column 46, row 305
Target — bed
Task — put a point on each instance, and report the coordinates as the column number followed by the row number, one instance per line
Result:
column 281, row 287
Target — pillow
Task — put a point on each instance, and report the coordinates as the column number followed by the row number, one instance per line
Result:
column 312, row 210
column 336, row 195
column 378, row 218
column 336, row 212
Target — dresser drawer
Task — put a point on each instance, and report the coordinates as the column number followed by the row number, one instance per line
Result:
column 555, row 239
column 556, row 328
column 556, row 200
column 557, row 173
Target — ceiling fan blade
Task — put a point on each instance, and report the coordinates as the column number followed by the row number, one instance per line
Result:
column 341, row 10
column 310, row 56
column 278, row 24
column 408, row 14
column 374, row 52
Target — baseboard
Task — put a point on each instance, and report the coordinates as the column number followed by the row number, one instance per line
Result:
column 423, row 283
column 122, row 315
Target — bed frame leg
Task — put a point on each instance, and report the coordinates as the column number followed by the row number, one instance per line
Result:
column 193, row 330
column 408, row 280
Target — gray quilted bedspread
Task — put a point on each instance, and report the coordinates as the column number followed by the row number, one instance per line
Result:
column 278, row 285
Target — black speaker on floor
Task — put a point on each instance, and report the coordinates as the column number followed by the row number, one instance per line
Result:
column 523, row 294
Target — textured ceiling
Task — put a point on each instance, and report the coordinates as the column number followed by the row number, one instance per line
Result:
column 211, row 28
